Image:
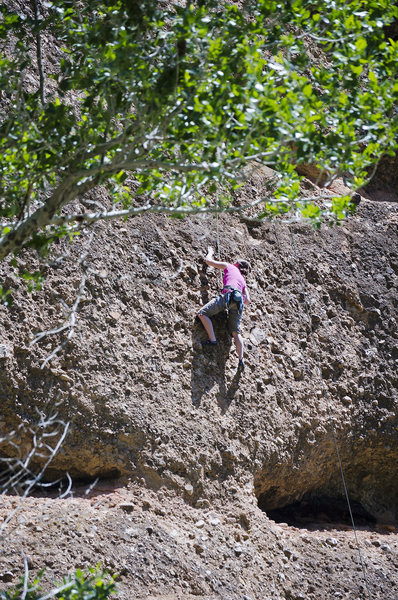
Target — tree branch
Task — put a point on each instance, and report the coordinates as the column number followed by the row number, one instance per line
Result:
column 150, row 208
column 17, row 475
column 67, row 191
column 74, row 185
column 38, row 51
column 70, row 320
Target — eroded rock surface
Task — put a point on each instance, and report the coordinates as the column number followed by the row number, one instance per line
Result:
column 150, row 409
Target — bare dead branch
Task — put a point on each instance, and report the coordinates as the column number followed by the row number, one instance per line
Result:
column 176, row 274
column 17, row 477
column 68, row 489
column 69, row 323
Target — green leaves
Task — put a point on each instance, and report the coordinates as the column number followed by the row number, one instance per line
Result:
column 34, row 280
column 182, row 98
column 91, row 584
column 6, row 296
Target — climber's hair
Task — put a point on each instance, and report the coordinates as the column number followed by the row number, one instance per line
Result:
column 243, row 266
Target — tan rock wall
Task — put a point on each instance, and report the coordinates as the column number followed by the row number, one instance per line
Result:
column 144, row 399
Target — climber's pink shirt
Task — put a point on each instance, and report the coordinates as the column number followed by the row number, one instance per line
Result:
column 233, row 277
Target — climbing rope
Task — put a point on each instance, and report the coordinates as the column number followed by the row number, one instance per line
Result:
column 218, row 247
column 217, row 228
column 332, row 428
column 316, row 354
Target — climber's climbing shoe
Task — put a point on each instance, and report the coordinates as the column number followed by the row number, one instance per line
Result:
column 241, row 365
column 210, row 343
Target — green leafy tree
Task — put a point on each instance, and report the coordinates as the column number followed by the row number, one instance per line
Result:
column 164, row 103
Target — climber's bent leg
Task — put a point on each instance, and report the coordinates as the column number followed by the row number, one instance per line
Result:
column 208, row 325
column 238, row 339
column 208, row 310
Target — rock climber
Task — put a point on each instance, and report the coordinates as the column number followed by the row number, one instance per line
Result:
column 232, row 297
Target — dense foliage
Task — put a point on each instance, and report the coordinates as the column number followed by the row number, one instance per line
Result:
column 176, row 100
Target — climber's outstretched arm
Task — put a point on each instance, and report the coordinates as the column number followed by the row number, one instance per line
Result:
column 214, row 263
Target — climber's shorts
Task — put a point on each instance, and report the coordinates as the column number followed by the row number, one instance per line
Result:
column 219, row 304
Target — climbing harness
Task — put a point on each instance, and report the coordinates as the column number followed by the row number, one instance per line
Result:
column 234, row 298
column 331, row 424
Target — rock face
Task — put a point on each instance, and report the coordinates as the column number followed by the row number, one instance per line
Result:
column 153, row 411
column 383, row 185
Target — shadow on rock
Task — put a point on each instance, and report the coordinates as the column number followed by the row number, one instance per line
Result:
column 208, row 364
column 225, row 400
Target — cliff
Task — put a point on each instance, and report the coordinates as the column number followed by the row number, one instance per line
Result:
column 211, row 482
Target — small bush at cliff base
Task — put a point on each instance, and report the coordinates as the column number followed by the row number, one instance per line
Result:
column 83, row 585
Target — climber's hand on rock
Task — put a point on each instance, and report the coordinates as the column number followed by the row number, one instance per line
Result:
column 210, row 251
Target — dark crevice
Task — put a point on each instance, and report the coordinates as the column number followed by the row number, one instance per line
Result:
column 320, row 511
column 79, row 486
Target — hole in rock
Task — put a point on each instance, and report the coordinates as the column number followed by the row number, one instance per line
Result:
column 314, row 492
column 320, row 511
